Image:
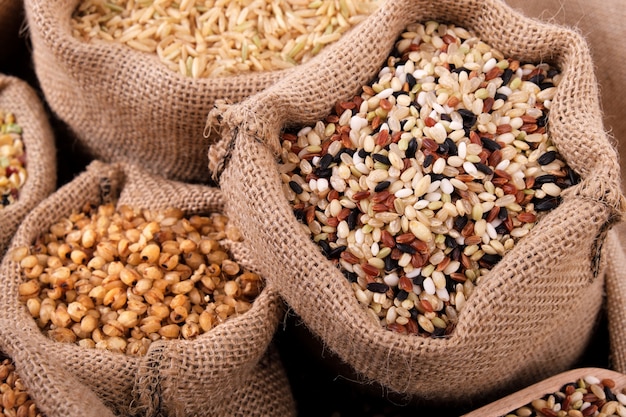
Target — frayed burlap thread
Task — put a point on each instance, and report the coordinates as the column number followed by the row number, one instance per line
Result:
column 530, row 317
column 125, row 105
column 175, row 378
column 18, row 97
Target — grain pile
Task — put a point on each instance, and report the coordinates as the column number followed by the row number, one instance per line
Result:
column 220, row 38
column 417, row 187
column 585, row 397
column 119, row 279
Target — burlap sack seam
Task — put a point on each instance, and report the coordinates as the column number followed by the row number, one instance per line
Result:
column 148, row 401
column 220, row 155
column 600, row 241
column 617, row 213
column 229, row 120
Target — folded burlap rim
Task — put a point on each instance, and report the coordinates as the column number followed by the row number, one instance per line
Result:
column 616, row 298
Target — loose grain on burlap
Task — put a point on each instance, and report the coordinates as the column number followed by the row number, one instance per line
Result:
column 176, row 378
column 18, row 97
column 125, row 105
column 533, row 314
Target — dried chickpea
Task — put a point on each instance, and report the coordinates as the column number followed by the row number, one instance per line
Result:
column 14, row 397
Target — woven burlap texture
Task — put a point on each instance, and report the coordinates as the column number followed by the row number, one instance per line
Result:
column 125, row 105
column 10, row 21
column 201, row 377
column 616, row 297
column 18, row 97
column 533, row 314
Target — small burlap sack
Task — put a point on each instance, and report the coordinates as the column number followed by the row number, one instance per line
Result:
column 227, row 368
column 124, row 105
column 533, row 314
column 18, row 97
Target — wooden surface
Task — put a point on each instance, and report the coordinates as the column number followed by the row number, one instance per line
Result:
column 516, row 400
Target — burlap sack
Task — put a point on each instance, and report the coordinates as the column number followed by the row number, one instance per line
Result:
column 533, row 314
column 123, row 105
column 603, row 24
column 220, row 371
column 9, row 18
column 18, row 97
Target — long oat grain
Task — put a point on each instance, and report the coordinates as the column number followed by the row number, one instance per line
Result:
column 212, row 38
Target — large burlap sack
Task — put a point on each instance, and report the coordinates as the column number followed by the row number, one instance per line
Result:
column 124, row 105
column 533, row 314
column 603, row 24
column 18, row 97
column 225, row 369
